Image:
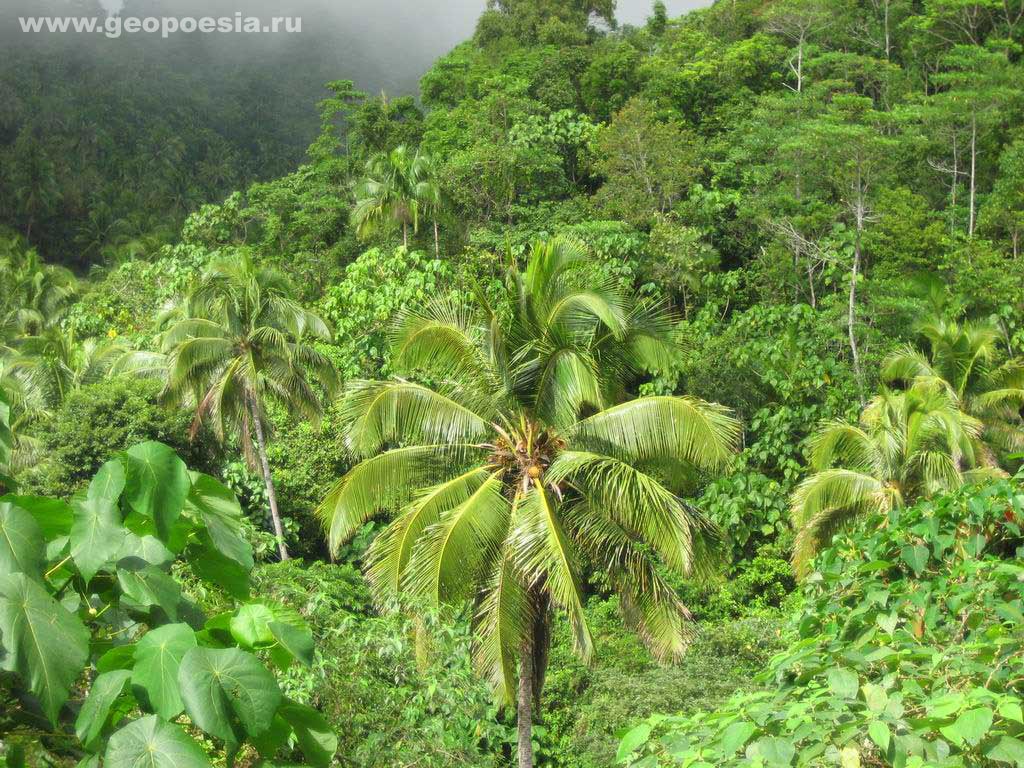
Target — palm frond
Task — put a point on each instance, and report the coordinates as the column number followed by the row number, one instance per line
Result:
column 391, row 412
column 687, row 429
column 545, row 558
column 826, row 501
column 451, row 555
column 387, row 481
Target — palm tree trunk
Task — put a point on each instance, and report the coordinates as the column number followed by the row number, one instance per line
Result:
column 405, row 235
column 261, row 447
column 437, row 242
column 524, row 713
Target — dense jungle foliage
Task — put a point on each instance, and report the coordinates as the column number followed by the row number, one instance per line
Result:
column 645, row 395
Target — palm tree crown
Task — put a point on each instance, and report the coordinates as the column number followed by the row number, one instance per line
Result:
column 909, row 444
column 242, row 341
column 965, row 358
column 391, row 192
column 513, row 465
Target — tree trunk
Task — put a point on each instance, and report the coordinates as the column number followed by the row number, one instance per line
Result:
column 437, row 241
column 524, row 713
column 974, row 156
column 405, row 234
column 851, row 310
column 261, row 447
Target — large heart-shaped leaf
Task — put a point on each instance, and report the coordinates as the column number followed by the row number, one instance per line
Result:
column 53, row 515
column 158, row 483
column 216, row 505
column 146, row 585
column 316, row 739
column 22, row 548
column 158, row 657
column 106, row 688
column 96, row 534
column 44, row 643
column 209, row 564
column 249, row 625
column 228, row 693
column 152, row 743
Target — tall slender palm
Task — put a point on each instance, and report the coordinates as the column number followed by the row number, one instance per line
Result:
column 966, row 359
column 243, row 340
column 909, row 444
column 520, row 461
column 387, row 194
column 429, row 194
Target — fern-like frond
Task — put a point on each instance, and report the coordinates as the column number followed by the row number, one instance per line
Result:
column 389, row 554
column 826, row 501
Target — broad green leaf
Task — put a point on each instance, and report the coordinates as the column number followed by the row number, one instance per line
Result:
column 108, row 483
column 843, row 682
column 1007, row 750
column 879, row 733
column 735, row 736
column 316, row 739
column 118, row 657
column 105, row 690
column 155, row 675
column 146, row 548
column 52, row 515
column 157, row 484
column 228, row 693
column 775, row 752
column 217, row 507
column 970, row 728
column 44, row 643
column 875, row 697
column 22, row 548
column 249, row 625
column 916, row 557
column 147, row 586
column 297, row 640
column 633, row 740
column 96, row 534
column 152, row 743
column 217, row 569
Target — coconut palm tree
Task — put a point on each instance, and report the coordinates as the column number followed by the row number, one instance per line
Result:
column 387, row 194
column 908, row 445
column 241, row 340
column 521, row 459
column 966, row 359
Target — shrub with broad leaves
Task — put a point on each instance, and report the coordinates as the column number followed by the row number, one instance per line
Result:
column 105, row 655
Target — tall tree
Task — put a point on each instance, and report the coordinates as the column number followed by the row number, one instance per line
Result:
column 520, row 458
column 243, row 341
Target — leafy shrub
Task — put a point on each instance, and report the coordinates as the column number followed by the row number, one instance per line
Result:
column 587, row 705
column 908, row 653
column 362, row 306
column 103, row 643
column 398, row 694
column 100, row 419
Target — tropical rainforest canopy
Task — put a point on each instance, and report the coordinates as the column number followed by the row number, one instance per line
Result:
column 644, row 395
